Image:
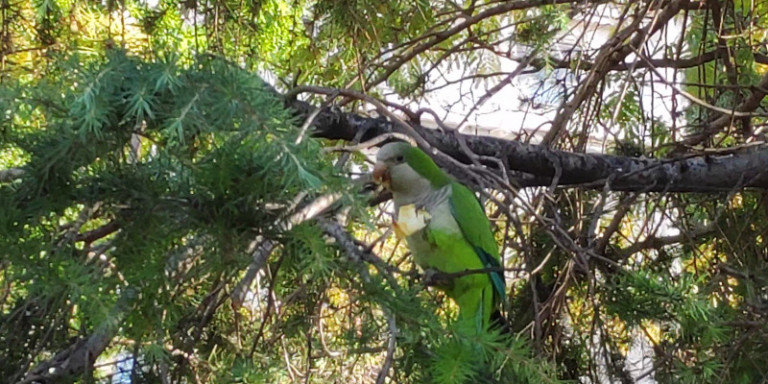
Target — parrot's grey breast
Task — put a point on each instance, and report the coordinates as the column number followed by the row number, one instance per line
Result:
column 432, row 201
column 438, row 205
column 435, row 198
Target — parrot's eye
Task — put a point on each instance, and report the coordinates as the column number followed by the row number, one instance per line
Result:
column 399, row 159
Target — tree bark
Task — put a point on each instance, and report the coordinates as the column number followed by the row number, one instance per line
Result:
column 81, row 355
column 530, row 165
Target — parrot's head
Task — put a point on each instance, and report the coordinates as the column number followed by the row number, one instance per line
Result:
column 396, row 169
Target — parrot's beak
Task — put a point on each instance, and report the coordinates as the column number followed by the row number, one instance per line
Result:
column 381, row 174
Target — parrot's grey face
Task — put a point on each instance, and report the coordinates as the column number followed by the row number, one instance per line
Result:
column 396, row 174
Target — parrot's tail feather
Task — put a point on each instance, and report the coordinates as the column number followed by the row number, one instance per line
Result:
column 499, row 322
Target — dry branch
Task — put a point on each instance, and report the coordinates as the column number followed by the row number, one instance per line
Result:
column 614, row 52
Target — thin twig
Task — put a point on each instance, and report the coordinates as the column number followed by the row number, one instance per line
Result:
column 370, row 143
column 391, row 345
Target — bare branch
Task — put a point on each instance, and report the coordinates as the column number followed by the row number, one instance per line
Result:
column 10, row 174
column 750, row 104
column 391, row 344
column 654, row 242
column 81, row 355
column 98, row 233
column 664, row 62
column 615, row 51
column 462, row 24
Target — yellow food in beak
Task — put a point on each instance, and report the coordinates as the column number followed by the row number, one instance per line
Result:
column 381, row 174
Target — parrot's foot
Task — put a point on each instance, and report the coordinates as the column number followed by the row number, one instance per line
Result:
column 435, row 278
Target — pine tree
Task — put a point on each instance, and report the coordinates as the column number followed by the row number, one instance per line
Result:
column 183, row 199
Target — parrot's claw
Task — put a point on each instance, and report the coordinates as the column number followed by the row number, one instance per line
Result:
column 435, row 278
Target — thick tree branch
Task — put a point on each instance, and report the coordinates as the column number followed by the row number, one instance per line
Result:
column 81, row 355
column 532, row 165
column 10, row 174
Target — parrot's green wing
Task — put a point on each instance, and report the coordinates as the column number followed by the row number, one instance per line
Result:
column 470, row 215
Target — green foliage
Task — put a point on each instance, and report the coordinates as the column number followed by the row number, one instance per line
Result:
column 539, row 27
column 155, row 160
column 643, row 297
column 190, row 163
column 215, row 146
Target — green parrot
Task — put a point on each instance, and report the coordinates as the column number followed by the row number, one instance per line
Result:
column 446, row 230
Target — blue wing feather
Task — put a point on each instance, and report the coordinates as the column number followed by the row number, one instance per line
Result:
column 497, row 277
